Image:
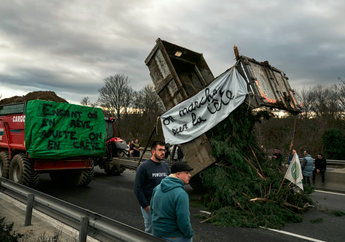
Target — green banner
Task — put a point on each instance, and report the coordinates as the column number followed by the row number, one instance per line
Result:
column 61, row 130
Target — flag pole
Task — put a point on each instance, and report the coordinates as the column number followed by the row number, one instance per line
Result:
column 281, row 186
column 293, row 136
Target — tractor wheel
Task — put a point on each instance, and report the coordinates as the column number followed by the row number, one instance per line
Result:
column 22, row 171
column 115, row 170
column 124, row 154
column 73, row 177
column 85, row 177
column 4, row 164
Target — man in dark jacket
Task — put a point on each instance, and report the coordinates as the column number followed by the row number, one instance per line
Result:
column 320, row 167
column 170, row 206
column 149, row 174
column 277, row 156
column 307, row 166
column 180, row 154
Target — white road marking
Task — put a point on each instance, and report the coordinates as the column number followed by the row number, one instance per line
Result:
column 335, row 193
column 294, row 235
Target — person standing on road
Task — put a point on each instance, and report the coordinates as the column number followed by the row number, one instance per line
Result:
column 180, row 154
column 320, row 167
column 131, row 148
column 173, row 153
column 307, row 166
column 276, row 155
column 136, row 148
column 149, row 174
column 167, row 152
column 170, row 206
column 291, row 156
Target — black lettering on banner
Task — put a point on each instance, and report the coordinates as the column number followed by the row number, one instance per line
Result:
column 167, row 120
column 48, row 122
column 196, row 121
column 92, row 115
column 216, row 105
column 75, row 145
column 80, row 124
column 86, row 145
column 46, row 109
column 53, row 145
column 96, row 146
column 76, row 114
column 209, row 97
column 73, row 135
column 58, row 134
column 93, row 136
column 180, row 129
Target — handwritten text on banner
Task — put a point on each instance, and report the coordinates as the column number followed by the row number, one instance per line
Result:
column 193, row 117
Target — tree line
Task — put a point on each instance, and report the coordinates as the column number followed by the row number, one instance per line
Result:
column 320, row 128
column 135, row 112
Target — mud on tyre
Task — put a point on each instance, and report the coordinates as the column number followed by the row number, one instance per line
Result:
column 4, row 164
column 114, row 170
column 22, row 171
column 73, row 177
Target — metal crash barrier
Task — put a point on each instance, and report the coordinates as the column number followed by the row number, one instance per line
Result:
column 88, row 223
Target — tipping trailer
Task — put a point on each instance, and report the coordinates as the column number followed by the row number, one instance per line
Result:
column 64, row 140
column 179, row 73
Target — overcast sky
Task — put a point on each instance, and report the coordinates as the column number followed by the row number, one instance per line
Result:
column 69, row 47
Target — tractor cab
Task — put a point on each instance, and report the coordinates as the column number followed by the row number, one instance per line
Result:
column 116, row 147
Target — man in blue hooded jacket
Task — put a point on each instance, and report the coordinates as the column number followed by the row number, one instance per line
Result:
column 307, row 166
column 170, row 206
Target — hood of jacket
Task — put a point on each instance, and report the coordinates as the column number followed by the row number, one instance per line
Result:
column 170, row 183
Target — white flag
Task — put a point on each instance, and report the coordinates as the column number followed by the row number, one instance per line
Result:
column 294, row 172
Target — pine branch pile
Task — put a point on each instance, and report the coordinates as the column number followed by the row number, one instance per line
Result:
column 242, row 187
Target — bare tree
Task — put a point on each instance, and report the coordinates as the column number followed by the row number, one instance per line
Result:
column 341, row 96
column 306, row 99
column 115, row 96
column 325, row 101
column 147, row 101
column 85, row 101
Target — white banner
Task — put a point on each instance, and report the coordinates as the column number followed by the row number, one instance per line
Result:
column 294, row 172
column 196, row 115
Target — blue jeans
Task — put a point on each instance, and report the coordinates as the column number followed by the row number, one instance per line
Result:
column 178, row 239
column 147, row 221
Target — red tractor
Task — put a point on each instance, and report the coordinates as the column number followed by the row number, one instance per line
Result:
column 116, row 147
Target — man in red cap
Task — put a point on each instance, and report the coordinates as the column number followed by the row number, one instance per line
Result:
column 170, row 206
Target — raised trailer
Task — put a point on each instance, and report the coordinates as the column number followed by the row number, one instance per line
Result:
column 179, row 73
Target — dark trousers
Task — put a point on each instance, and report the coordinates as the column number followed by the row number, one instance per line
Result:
column 322, row 175
column 306, row 179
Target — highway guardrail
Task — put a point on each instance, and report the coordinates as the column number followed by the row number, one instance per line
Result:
column 88, row 223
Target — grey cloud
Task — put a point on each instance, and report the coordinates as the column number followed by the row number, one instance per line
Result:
column 304, row 39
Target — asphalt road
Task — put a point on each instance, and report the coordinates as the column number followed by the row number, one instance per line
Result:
column 113, row 197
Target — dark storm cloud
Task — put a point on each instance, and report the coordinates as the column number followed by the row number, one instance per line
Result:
column 40, row 78
column 72, row 46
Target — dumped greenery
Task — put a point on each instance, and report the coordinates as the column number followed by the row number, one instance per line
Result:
column 6, row 232
column 334, row 212
column 8, row 235
column 337, row 213
column 244, row 186
column 317, row 220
